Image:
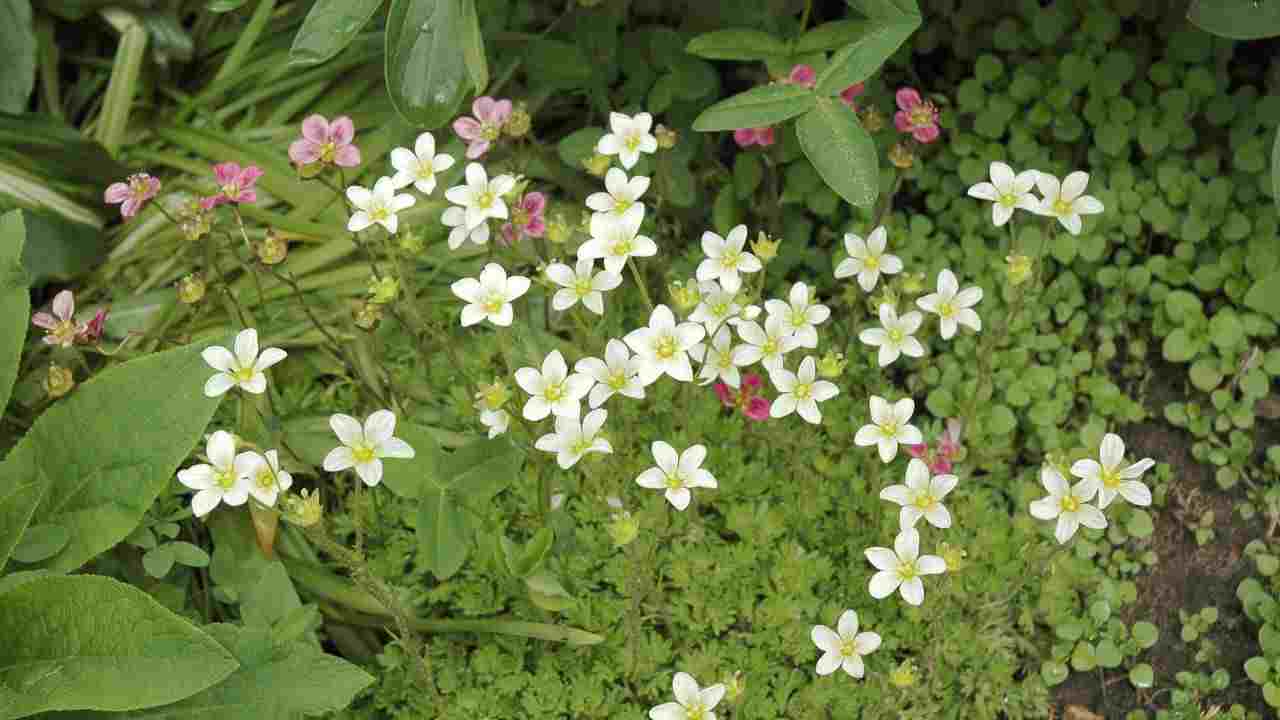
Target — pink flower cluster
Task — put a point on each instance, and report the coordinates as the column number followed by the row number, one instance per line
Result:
column 526, row 219
column 235, row 184
column 940, row 460
column 804, row 76
column 326, row 142
column 746, row 398
column 916, row 116
column 61, row 328
column 131, row 194
column 486, row 127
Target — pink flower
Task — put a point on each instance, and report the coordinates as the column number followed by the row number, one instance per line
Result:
column 940, row 466
column 851, row 92
column 802, row 75
column 526, row 218
column 235, row 185
column 746, row 137
column 725, row 394
column 326, row 142
column 916, row 116
column 132, row 194
column 919, row 451
column 757, row 408
column 752, row 382
column 485, row 127
column 746, row 398
column 91, row 332
column 60, row 327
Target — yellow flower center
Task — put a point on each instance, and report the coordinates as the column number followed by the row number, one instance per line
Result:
column 243, row 375
column 799, row 318
column 621, row 205
column 327, row 152
column 632, row 141
column 720, row 309
column 490, row 131
column 617, row 380
column 1069, row 504
column 675, row 480
column 730, row 259
column 924, row 500
column 871, row 262
column 922, row 114
column 580, row 447
column 803, row 391
column 770, row 347
column 946, row 309
column 520, row 217
column 896, row 335
column 363, row 453
column 225, row 479
column 889, row 429
column 379, row 213
column 724, row 360
column 425, row 171
column 907, row 569
column 485, row 199
column 665, row 348
column 1061, row 207
column 64, row 333
column 848, row 648
column 231, row 190
column 265, row 479
column 621, row 247
column 554, row 392
column 582, row 287
column 1111, row 478
column 1008, row 200
column 493, row 303
column 696, row 711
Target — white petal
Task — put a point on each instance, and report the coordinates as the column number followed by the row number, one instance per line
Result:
column 219, row 358
column 339, row 459
column 218, row 384
column 881, row 558
column 883, row 584
column 912, row 591
column 347, row 429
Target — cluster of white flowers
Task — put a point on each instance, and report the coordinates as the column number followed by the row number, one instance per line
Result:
column 1105, row 478
column 1064, row 200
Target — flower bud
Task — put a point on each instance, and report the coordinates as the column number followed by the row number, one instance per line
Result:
column 273, row 249
column 901, row 156
column 304, row 509
column 872, row 120
column 952, row 556
column 684, row 297
column 191, row 289
column 913, row 283
column 597, row 164
column 558, row 229
column 764, row 248
column 903, row 676
column 832, row 365
column 383, row 291
column 1019, row 270
column 623, row 529
column 735, row 686
column 410, row 242
column 368, row 316
column 492, row 396
column 59, row 381
column 194, row 221
column 518, row 124
column 667, row 138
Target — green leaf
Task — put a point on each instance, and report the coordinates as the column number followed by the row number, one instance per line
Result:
column 1179, row 347
column 158, row 561
column 481, row 469
column 51, row 148
column 1053, row 672
column 1271, row 693
column 1275, row 167
column 18, row 38
column 1069, row 630
column 764, row 105
column 16, row 301
column 748, row 172
column 1145, row 634
column 535, row 552
column 1236, row 19
column 425, row 60
column 1258, row 670
column 1140, row 524
column 831, row 36
column 861, row 58
column 224, row 6
column 1100, row 611
column 1142, row 676
column 579, row 145
column 93, row 643
column 18, row 503
column 1109, row 655
column 132, row 425
column 473, row 47
column 547, row 593
column 58, row 248
column 736, row 44
column 190, row 555
column 841, row 151
column 1264, row 296
column 41, row 542
column 409, row 478
column 558, row 65
column 444, row 534
column 329, row 27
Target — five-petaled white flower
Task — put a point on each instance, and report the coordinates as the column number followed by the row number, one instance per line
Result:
column 1111, row 477
column 622, row 193
column 726, row 257
column 663, row 347
column 765, row 345
column 889, row 427
column 692, row 702
column 953, row 306
column 378, row 206
column 489, row 297
column 553, row 391
column 800, row 392
column 242, row 368
column 573, row 438
column 497, row 421
column 581, row 283
column 716, row 306
column 844, row 646
column 1068, row 503
column 719, row 361
column 1067, row 201
column 677, row 474
column 921, row 496
column 902, row 567
column 629, row 138
column 224, row 480
column 266, row 478
column 1007, row 191
column 896, row 336
column 419, row 167
column 800, row 315
column 481, row 197
column 615, row 238
column 867, row 259
column 618, row 373
column 455, row 218
column 364, row 447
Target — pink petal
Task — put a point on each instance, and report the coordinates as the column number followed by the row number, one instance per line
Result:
column 484, row 109
column 342, row 131
column 764, row 136
column 757, row 409
column 802, row 75
column 902, row 121
column 316, row 129
column 745, row 137
column 153, row 187
column 918, row 451
column 249, row 176
column 509, row 233
column 752, row 382
column 347, row 156
column 535, row 228
column 116, row 193
column 247, row 196
column 226, row 172
column 501, row 111
column 213, row 201
column 477, row 149
column 304, row 152
column 64, row 305
column 907, row 98
column 926, row 133
column 467, row 128
column 722, row 392
column 534, row 203
column 130, row 207
column 44, row 321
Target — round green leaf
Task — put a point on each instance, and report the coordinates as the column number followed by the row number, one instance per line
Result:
column 1271, row 693
column 1140, row 524
column 190, row 555
column 158, row 561
column 1258, row 670
column 1053, row 672
column 1142, row 676
column 1145, row 634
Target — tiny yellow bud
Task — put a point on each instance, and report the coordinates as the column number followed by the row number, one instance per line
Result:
column 384, row 290
column 1019, row 270
column 623, row 529
column 684, row 296
column 764, row 248
column 304, row 509
column 952, row 556
column 903, row 676
column 735, row 686
column 518, row 123
column 368, row 315
column 194, row 221
column 191, row 289
column 492, row 396
column 597, row 164
column 558, row 229
column 667, row 138
column 872, row 120
column 59, row 381
column 273, row 249
column 411, row 243
column 901, row 156
column 913, row 283
column 832, row 365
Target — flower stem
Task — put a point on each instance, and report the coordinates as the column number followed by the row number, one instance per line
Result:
column 644, row 290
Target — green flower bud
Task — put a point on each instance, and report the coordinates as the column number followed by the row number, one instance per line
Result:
column 191, row 289
column 59, row 381
column 492, row 396
column 764, row 248
column 273, row 249
column 684, row 297
column 518, row 124
column 383, row 291
column 411, row 243
column 623, row 529
column 558, row 229
column 368, row 316
column 597, row 164
column 304, row 509
column 832, row 365
column 903, row 676
column 1019, row 270
column 667, row 138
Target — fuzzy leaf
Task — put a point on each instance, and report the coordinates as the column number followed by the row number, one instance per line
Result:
column 758, row 107
column 841, row 151
column 329, row 27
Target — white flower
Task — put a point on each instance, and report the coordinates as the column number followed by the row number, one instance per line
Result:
column 629, row 138
column 691, row 702
column 676, row 475
column 800, row 392
column 622, row 193
column 481, row 197
column 663, row 347
column 1067, row 201
column 1068, row 503
column 615, row 238
column 1110, row 477
column 364, row 448
column 573, row 438
column 719, row 361
column 553, row 391
column 726, row 257
column 581, row 284
column 716, row 306
column 921, row 497
column 378, row 206
column 765, row 345
column 952, row 305
column 419, row 168
column 844, row 646
column 619, row 373
column 896, row 336
column 1007, row 191
column 867, row 259
column 496, row 420
column 902, row 567
column 489, row 297
column 456, row 218
column 225, row 480
column 889, row 427
column 266, row 478
column 242, row 368
column 800, row 315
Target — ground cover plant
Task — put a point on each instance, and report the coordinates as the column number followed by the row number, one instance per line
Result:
column 607, row 358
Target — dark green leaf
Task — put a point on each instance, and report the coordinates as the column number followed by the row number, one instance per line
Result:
column 169, row 39
column 534, row 553
column 425, row 62
column 1236, row 19
column 329, row 27
column 736, row 44
column 547, row 593
column 1142, row 676
column 483, row 468
column 408, row 478
column 1275, row 168
column 57, row 248
column 224, row 6
column 841, row 151
column 831, row 36
column 18, row 502
column 473, row 47
column 758, row 107
column 861, row 58
column 1264, row 296
column 158, row 561
column 444, row 533
column 1053, row 673
column 16, row 301
column 190, row 555
column 41, row 542
column 1145, row 634
column 578, row 145
column 558, row 65
column 18, row 38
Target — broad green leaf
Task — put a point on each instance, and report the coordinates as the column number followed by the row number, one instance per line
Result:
column 158, row 561
column 58, row 248
column 481, row 469
column 410, row 478
column 329, row 27
column 18, row 501
column 841, row 151
column 831, row 36
column 261, row 586
column 1264, row 296
column 578, row 145
column 886, row 10
column 16, row 301
column 18, row 38
column 1271, row 693
column 444, row 533
column 1236, row 19
column 1258, row 670
column 764, row 105
column 41, row 542
column 93, row 643
column 861, row 58
column 51, row 148
column 425, row 60
column 534, row 553
column 190, row 555
column 547, row 593
column 473, row 47
column 106, row 451
column 736, row 44
column 1109, row 655
column 224, row 6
